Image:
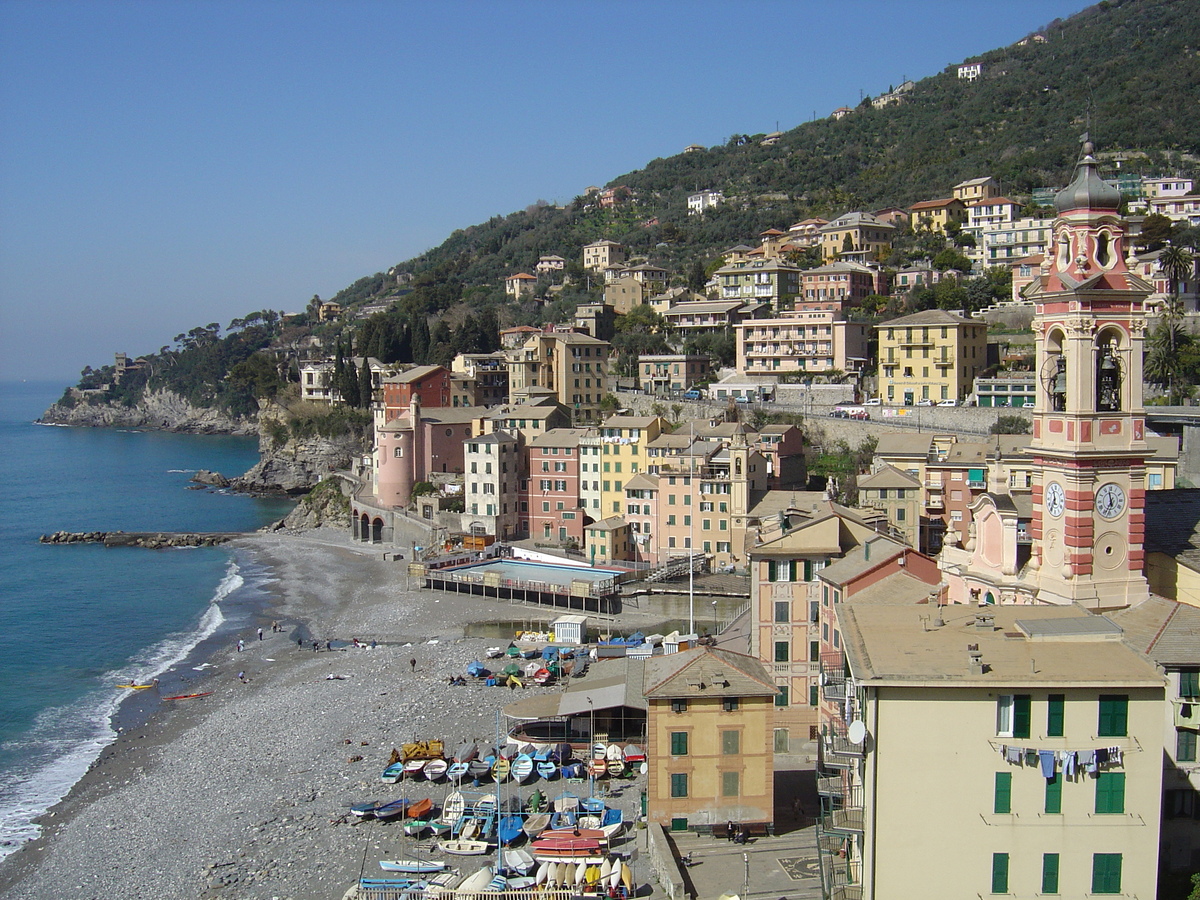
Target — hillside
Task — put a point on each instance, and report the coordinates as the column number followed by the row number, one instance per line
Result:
column 1127, row 71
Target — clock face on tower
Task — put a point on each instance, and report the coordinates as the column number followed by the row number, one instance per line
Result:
column 1110, row 501
column 1056, row 499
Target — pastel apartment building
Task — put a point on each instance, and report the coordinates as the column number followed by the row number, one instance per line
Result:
column 936, row 215
column 599, row 255
column 490, row 485
column 836, row 286
column 551, row 508
column 699, row 202
column 573, row 365
column 763, row 280
column 700, row 317
column 930, row 355
column 815, row 341
column 1029, row 736
column 671, row 374
column 856, row 237
column 520, row 285
column 974, row 189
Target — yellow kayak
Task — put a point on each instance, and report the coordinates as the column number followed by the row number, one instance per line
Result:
column 135, row 687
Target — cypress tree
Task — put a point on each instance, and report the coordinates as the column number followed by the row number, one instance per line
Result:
column 365, row 391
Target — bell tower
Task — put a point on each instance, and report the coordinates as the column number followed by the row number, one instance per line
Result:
column 1089, row 422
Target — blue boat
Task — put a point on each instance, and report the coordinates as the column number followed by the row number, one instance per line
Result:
column 477, row 669
column 592, row 804
column 547, row 769
column 509, row 829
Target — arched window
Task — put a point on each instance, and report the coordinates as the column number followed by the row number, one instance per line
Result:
column 989, row 598
column 1104, row 249
column 1108, row 375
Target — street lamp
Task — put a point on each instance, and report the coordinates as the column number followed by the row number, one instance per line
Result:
column 714, row 606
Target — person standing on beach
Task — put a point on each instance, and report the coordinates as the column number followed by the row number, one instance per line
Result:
column 241, row 644
column 260, row 634
column 412, row 664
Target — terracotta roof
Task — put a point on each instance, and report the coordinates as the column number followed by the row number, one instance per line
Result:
column 706, row 672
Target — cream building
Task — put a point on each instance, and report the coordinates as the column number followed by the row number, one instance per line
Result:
column 931, row 355
column 810, row 341
column 599, row 255
column 1008, row 752
column 857, row 237
column 573, row 365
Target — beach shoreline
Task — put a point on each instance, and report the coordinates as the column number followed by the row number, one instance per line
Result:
column 243, row 792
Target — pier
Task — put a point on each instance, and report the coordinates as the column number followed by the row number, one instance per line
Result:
column 151, row 540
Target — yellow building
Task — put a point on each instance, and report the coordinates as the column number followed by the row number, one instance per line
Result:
column 620, row 455
column 709, row 739
column 935, row 215
column 900, row 496
column 932, row 355
column 856, row 237
column 1014, row 751
column 571, row 364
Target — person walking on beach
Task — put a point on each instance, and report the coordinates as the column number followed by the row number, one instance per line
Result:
column 413, row 664
column 260, row 634
column 241, row 644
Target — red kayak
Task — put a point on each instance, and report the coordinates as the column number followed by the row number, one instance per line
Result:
column 187, row 696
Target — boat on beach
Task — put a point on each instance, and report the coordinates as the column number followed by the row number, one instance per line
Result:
column 386, row 811
column 392, row 773
column 509, row 829
column 536, row 824
column 435, row 769
column 457, row 771
column 463, row 847
column 522, row 768
column 412, row 866
column 414, row 767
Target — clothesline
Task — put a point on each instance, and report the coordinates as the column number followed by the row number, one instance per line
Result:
column 1069, row 762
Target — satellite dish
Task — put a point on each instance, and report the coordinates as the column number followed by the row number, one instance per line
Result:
column 858, row 731
column 644, row 768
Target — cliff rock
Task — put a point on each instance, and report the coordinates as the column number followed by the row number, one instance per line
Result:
column 298, row 464
column 162, row 410
column 323, row 505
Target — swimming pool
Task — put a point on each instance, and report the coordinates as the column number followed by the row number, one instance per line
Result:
column 540, row 573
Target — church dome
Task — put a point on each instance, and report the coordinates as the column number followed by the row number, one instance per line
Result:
column 1088, row 190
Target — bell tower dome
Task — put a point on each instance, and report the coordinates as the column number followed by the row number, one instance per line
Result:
column 1089, row 421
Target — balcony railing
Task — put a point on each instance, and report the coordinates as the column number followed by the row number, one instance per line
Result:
column 935, row 502
column 831, row 786
column 843, row 814
column 833, row 676
column 841, row 866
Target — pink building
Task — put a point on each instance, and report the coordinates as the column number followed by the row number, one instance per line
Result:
column 550, row 507
column 411, row 446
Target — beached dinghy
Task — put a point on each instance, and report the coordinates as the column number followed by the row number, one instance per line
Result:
column 509, row 829
column 494, row 652
column 501, row 769
column 414, row 767
column 479, row 768
column 466, row 752
column 457, row 771
column 461, row 847
column 522, row 768
column 365, row 810
column 634, row 754
column 413, row 866
column 536, row 824
column 436, row 768
column 453, row 808
column 518, row 860
column 612, row 824
column 477, row 882
column 392, row 773
column 386, row 811
column 547, row 769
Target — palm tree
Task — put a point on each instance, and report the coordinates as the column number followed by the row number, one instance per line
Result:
column 1177, row 265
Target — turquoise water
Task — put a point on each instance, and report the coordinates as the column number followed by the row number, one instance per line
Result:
column 75, row 620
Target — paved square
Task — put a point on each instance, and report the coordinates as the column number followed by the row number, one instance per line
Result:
column 799, row 868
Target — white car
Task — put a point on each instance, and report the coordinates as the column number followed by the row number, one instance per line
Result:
column 947, row 403
column 924, row 403
column 874, row 401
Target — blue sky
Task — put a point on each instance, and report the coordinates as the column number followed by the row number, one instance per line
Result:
column 168, row 164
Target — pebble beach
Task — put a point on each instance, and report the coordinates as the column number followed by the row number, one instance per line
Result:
column 244, row 793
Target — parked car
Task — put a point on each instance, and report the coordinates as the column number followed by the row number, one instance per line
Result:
column 947, row 403
column 924, row 403
column 743, row 400
column 874, row 401
column 691, row 395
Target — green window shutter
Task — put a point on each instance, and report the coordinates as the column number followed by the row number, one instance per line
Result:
column 781, row 652
column 679, row 743
column 1049, row 873
column 731, row 742
column 1054, row 795
column 1189, row 683
column 793, row 570
column 1055, row 708
column 814, row 651
column 1114, row 715
column 1106, row 873
column 1022, row 715
column 808, row 570
column 814, row 696
column 781, row 699
column 1185, row 746
column 1002, row 801
column 731, row 783
column 772, row 570
column 1000, row 873
column 1110, row 792
column 679, row 784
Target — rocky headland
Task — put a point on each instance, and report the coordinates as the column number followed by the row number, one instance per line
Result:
column 161, row 410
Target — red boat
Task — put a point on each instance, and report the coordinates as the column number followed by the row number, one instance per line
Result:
column 581, row 847
column 571, row 834
column 543, row 676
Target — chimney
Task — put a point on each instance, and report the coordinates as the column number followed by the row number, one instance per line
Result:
column 984, row 622
column 975, row 661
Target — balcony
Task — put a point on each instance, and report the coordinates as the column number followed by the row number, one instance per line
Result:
column 841, row 867
column 833, row 677
column 837, row 751
column 831, row 786
column 935, row 501
column 844, row 814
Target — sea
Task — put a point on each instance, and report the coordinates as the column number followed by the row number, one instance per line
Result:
column 77, row 620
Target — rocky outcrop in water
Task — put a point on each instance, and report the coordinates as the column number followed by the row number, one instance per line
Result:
column 161, row 410
column 325, row 505
column 151, row 540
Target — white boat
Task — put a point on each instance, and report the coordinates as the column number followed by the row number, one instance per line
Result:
column 414, row 866
column 522, row 768
column 519, row 860
column 453, row 808
column 436, row 768
column 494, row 652
column 460, row 847
column 477, row 882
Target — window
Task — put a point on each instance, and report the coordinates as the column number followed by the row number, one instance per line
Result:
column 1110, row 793
column 781, row 698
column 782, row 653
column 1013, row 715
column 730, row 784
column 679, row 706
column 730, row 704
column 783, row 611
column 1055, row 704
column 1002, row 796
column 1049, row 873
column 1053, row 805
column 1106, row 873
column 1185, row 746
column 1189, row 682
column 679, row 785
column 999, row 873
column 1114, row 716
column 782, row 741
column 731, row 743
column 679, row 743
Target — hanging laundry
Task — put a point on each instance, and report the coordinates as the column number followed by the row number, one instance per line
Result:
column 1114, row 756
column 1102, row 756
column 1068, row 764
column 1031, row 756
column 1012, row 754
column 1046, row 757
